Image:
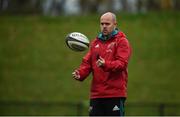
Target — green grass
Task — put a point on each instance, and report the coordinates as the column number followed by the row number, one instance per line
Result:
column 36, row 65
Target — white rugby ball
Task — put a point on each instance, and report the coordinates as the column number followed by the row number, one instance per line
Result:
column 77, row 41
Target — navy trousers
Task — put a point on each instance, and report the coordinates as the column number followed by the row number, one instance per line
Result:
column 107, row 107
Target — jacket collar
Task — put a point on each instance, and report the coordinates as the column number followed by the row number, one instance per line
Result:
column 107, row 37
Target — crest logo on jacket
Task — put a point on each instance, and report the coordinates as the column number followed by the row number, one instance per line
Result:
column 97, row 46
column 110, row 47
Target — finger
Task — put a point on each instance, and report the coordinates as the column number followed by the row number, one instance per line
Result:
column 101, row 58
column 76, row 74
column 99, row 63
column 76, row 71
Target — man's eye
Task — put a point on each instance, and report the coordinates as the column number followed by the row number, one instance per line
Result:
column 104, row 23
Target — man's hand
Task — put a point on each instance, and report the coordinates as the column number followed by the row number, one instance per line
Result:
column 76, row 75
column 100, row 62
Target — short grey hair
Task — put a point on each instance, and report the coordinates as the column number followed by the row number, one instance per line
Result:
column 114, row 17
column 112, row 14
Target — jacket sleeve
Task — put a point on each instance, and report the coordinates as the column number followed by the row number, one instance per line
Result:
column 122, row 56
column 85, row 67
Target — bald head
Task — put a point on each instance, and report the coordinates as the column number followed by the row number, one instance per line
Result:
column 108, row 23
column 109, row 15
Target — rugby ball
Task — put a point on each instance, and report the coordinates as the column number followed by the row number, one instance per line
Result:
column 77, row 41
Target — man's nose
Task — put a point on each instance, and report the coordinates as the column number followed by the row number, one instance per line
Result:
column 104, row 25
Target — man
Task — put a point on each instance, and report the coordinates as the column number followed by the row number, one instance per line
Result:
column 107, row 59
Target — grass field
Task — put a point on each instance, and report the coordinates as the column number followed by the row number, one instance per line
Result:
column 36, row 65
